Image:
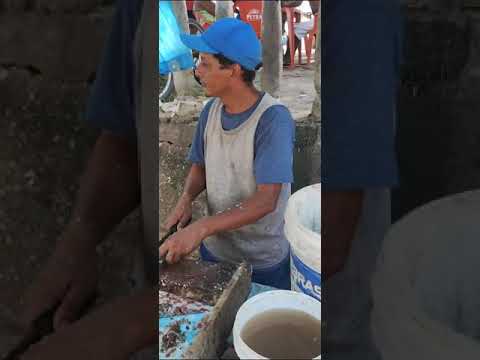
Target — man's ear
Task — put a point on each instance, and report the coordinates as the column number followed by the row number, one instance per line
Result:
column 237, row 70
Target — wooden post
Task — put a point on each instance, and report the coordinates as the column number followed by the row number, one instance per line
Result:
column 145, row 270
column 271, row 47
column 223, row 8
column 315, row 115
column 185, row 84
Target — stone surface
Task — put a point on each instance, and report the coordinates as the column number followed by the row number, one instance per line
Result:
column 183, row 109
column 190, row 287
column 46, row 64
column 67, row 48
column 80, row 6
column 14, row 6
column 211, row 342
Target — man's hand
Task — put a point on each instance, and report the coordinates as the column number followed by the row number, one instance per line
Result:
column 181, row 214
column 69, row 280
column 182, row 243
column 111, row 332
column 78, row 341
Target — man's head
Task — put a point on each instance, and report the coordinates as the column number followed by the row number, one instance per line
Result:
column 219, row 74
column 230, row 53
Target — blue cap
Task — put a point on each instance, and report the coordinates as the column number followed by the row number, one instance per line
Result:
column 232, row 38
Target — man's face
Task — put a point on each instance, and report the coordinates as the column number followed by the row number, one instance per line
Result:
column 214, row 77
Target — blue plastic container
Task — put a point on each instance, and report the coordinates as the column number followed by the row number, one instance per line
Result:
column 173, row 54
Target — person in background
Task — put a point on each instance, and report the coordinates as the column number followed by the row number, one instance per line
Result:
column 190, row 12
column 301, row 29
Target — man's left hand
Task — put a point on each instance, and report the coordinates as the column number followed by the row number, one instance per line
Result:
column 110, row 332
column 78, row 341
column 182, row 243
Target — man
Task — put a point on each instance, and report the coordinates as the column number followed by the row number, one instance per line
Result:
column 242, row 155
column 109, row 191
column 361, row 50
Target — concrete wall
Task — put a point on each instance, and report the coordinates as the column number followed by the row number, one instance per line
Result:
column 48, row 57
column 438, row 127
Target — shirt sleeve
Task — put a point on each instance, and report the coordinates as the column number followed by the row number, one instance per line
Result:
column 111, row 102
column 359, row 85
column 197, row 151
column 274, row 143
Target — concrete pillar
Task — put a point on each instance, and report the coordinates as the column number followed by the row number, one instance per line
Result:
column 271, row 47
column 223, row 8
column 315, row 115
column 185, row 84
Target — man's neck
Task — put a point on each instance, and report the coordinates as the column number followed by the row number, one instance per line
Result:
column 240, row 100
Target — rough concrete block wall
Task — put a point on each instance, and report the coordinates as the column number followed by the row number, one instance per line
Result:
column 49, row 52
column 438, row 128
column 175, row 142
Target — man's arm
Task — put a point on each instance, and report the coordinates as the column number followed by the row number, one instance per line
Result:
column 261, row 203
column 109, row 189
column 112, row 331
column 340, row 215
column 249, row 211
column 195, row 182
column 194, row 185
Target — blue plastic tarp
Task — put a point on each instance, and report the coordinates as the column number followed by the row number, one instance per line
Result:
column 173, row 54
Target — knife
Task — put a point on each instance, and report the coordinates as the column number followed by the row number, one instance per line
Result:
column 169, row 233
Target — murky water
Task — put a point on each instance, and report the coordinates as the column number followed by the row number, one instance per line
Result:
column 284, row 334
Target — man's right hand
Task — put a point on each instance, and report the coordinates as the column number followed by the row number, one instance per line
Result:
column 181, row 214
column 68, row 280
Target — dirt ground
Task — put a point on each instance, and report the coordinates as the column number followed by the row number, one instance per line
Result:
column 297, row 90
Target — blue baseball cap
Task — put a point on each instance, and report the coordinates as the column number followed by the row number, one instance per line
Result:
column 232, row 38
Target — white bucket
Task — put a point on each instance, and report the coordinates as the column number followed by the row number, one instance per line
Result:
column 425, row 288
column 267, row 301
column 302, row 229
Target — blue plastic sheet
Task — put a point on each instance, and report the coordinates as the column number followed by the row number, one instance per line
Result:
column 190, row 326
column 173, row 54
